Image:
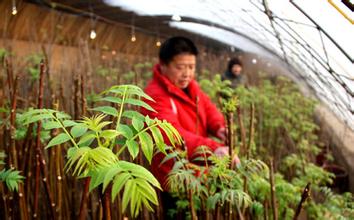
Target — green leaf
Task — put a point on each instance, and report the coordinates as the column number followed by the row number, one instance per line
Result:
column 107, row 110
column 88, row 137
column 78, row 130
column 134, row 199
column 131, row 114
column 48, row 125
column 139, row 171
column 158, row 138
column 103, row 156
column 98, row 127
column 129, row 191
column 69, row 123
column 146, row 204
column 148, row 120
column 2, row 154
column 12, row 178
column 59, row 139
column 90, row 159
column 147, row 190
column 32, row 112
column 212, row 200
column 97, row 177
column 74, row 154
column 130, row 90
column 60, row 115
column 174, row 132
column 117, row 89
column 109, row 134
column 169, row 156
column 140, row 103
column 147, row 146
column 133, row 147
column 113, row 171
column 112, row 99
column 168, row 133
column 118, row 183
column 37, row 118
column 78, row 156
column 126, row 131
column 137, row 124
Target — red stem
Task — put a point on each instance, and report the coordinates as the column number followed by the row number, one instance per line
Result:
column 85, row 195
column 107, row 204
column 40, row 161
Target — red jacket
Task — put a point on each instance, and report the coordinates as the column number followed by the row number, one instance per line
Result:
column 180, row 109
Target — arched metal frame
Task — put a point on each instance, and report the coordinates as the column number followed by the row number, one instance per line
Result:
column 295, row 37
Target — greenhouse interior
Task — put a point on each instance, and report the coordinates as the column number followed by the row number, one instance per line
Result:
column 165, row 109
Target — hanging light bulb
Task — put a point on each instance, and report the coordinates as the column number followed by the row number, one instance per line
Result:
column 133, row 39
column 158, row 43
column 176, row 17
column 254, row 60
column 14, row 9
column 93, row 34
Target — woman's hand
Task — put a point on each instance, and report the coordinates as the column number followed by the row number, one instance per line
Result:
column 221, row 134
column 224, row 151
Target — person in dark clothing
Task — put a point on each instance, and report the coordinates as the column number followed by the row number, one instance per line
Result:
column 234, row 73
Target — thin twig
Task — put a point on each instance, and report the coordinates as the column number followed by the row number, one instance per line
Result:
column 272, row 190
column 242, row 130
column 251, row 132
column 230, row 134
column 304, row 196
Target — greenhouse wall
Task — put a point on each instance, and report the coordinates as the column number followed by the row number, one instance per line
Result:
column 74, row 143
column 62, row 35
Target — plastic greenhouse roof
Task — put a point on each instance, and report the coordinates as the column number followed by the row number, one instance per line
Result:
column 312, row 37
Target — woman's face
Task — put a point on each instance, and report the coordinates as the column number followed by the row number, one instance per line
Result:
column 236, row 69
column 181, row 70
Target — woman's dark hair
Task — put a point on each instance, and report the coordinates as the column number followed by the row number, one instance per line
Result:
column 232, row 62
column 175, row 46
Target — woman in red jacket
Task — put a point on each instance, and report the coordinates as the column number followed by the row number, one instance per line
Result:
column 180, row 101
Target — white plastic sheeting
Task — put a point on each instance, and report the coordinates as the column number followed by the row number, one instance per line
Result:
column 290, row 36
